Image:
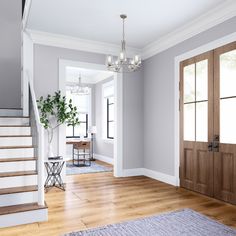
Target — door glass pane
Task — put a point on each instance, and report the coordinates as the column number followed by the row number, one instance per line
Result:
column 228, row 120
column 202, row 80
column 189, row 83
column 202, row 121
column 228, row 74
column 189, row 122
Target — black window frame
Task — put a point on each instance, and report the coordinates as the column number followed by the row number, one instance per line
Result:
column 73, row 129
column 108, row 118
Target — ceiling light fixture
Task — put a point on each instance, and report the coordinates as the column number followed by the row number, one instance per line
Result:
column 79, row 88
column 122, row 63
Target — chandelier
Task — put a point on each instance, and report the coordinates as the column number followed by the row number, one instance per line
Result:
column 79, row 88
column 122, row 63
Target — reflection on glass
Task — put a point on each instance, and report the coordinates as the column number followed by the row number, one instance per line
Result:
column 202, row 80
column 189, row 122
column 189, row 83
column 69, row 131
column 228, row 120
column 228, row 74
column 80, row 130
column 202, row 121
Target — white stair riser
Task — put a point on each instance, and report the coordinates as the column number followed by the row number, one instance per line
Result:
column 18, row 181
column 15, row 141
column 17, row 166
column 18, row 198
column 26, row 217
column 14, row 121
column 15, row 131
column 11, row 112
column 17, row 152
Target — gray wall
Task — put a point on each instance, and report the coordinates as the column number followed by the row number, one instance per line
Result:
column 133, row 119
column 10, row 54
column 46, row 61
column 101, row 147
column 159, row 98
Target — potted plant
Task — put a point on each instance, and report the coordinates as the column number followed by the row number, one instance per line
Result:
column 54, row 111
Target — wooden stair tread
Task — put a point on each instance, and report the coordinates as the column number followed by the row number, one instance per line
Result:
column 18, row 159
column 16, row 147
column 21, row 208
column 18, row 189
column 18, row 173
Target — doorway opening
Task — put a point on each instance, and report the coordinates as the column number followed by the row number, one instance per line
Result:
column 96, row 144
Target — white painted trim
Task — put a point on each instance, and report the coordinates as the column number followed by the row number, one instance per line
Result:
column 106, row 159
column 64, row 41
column 26, row 13
column 133, row 172
column 215, row 16
column 118, row 141
column 169, row 179
column 25, row 217
column 204, row 48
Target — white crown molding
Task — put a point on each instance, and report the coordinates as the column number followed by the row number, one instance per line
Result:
column 215, row 16
column 206, row 21
column 63, row 41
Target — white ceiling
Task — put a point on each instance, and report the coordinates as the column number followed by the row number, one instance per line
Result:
column 87, row 76
column 148, row 20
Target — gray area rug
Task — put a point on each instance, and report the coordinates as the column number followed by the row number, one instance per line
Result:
column 184, row 222
column 94, row 168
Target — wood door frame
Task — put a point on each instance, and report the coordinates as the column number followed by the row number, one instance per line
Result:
column 202, row 49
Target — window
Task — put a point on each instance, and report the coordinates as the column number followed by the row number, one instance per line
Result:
column 82, row 102
column 110, row 118
column 79, row 130
column 108, row 110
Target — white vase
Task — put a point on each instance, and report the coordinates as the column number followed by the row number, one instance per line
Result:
column 50, row 150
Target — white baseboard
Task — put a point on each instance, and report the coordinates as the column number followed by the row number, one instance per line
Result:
column 133, row 172
column 169, row 179
column 106, row 159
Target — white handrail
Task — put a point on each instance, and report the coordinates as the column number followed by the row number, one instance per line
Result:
column 40, row 139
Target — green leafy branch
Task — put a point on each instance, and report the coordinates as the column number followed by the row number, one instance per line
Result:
column 55, row 111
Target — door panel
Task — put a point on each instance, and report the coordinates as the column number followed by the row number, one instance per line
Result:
column 196, row 110
column 225, row 123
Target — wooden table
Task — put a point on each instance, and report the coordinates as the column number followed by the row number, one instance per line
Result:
column 76, row 143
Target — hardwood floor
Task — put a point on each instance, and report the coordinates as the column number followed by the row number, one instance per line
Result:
column 92, row 200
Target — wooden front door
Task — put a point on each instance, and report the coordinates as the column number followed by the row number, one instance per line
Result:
column 208, row 123
column 196, row 109
column 225, row 123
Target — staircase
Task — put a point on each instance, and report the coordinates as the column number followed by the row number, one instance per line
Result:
column 21, row 192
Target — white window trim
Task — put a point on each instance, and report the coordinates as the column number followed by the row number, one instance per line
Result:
column 104, row 112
